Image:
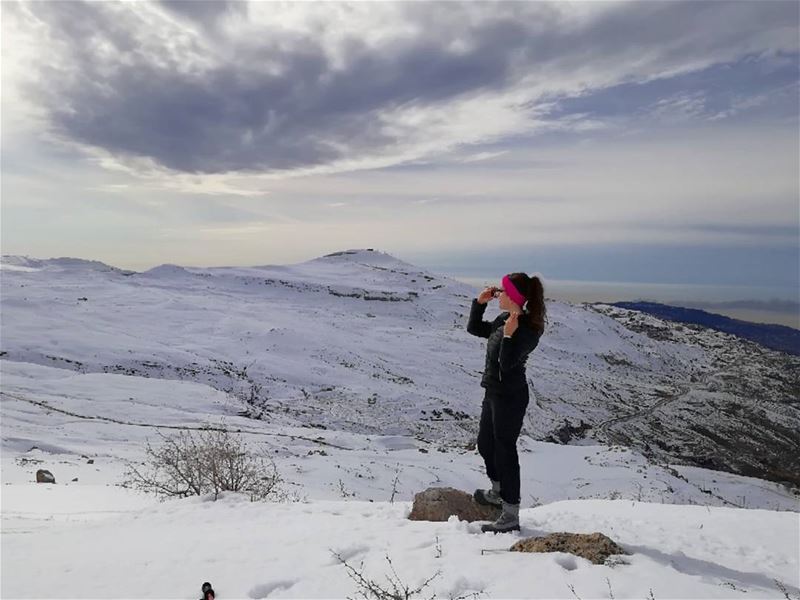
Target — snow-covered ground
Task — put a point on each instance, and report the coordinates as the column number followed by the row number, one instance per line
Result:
column 274, row 550
column 85, row 383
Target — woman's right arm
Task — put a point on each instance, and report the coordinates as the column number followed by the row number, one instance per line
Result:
column 476, row 325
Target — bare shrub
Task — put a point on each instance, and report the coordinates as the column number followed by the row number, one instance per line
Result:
column 211, row 461
column 370, row 589
column 394, row 484
column 782, row 587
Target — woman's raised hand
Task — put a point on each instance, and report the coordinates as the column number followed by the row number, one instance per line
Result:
column 486, row 295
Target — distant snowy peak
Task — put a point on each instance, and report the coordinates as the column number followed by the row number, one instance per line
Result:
column 376, row 259
column 362, row 266
column 363, row 255
column 359, row 268
column 167, row 271
column 62, row 263
column 368, row 257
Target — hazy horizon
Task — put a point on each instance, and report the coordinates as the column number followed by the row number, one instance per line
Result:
column 624, row 141
column 761, row 304
column 766, row 305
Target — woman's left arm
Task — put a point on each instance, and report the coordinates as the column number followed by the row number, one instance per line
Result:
column 516, row 348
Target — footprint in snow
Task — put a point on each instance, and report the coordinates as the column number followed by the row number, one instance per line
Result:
column 265, row 589
column 349, row 552
column 567, row 562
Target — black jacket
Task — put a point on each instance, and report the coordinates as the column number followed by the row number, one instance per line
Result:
column 505, row 357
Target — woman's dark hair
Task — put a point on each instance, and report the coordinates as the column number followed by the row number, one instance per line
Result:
column 208, row 591
column 534, row 310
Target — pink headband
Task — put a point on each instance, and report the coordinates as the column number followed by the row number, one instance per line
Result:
column 512, row 292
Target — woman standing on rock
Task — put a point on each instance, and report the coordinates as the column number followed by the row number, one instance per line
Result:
column 512, row 336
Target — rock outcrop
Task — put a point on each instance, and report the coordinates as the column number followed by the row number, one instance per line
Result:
column 44, row 476
column 439, row 504
column 595, row 547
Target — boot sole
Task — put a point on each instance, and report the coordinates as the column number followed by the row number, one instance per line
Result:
column 516, row 528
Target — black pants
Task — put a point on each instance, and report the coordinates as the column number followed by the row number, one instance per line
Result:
column 501, row 422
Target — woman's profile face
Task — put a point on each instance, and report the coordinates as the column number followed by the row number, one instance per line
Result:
column 502, row 299
column 506, row 303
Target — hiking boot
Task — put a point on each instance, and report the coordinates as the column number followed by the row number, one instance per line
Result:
column 507, row 521
column 488, row 498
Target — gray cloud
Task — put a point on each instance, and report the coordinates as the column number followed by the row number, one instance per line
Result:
column 279, row 101
column 206, row 12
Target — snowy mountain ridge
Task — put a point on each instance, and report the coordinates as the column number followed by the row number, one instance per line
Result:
column 377, row 345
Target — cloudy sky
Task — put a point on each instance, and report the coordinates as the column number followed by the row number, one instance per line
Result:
column 627, row 141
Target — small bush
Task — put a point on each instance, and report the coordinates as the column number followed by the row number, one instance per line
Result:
column 211, row 461
column 370, row 589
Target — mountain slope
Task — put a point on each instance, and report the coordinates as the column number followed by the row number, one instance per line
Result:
column 776, row 337
column 362, row 342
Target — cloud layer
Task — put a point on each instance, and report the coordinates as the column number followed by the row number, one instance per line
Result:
column 639, row 141
column 216, row 87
